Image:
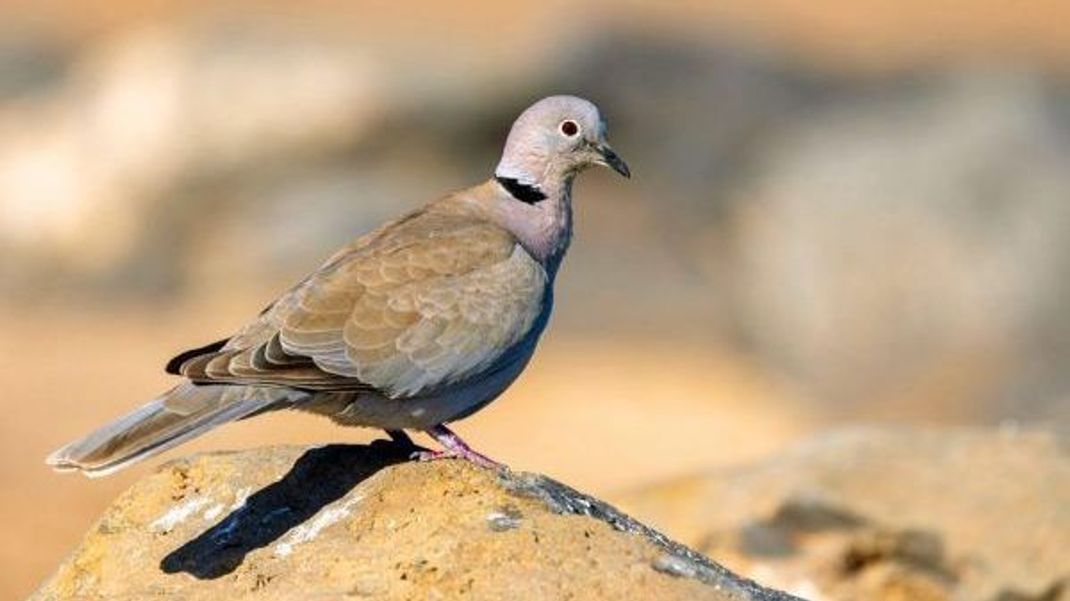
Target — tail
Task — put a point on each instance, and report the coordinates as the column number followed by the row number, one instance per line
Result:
column 182, row 413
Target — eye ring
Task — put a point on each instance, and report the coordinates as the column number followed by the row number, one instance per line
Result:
column 569, row 128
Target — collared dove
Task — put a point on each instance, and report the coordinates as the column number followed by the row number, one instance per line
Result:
column 417, row 324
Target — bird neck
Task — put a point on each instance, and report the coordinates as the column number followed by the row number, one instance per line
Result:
column 539, row 215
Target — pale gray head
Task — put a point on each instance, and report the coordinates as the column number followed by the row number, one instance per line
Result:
column 554, row 139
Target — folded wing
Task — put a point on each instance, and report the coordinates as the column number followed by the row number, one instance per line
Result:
column 417, row 305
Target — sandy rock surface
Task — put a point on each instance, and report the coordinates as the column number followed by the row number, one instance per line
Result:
column 886, row 515
column 358, row 521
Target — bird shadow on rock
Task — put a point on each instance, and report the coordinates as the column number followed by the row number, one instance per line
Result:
column 319, row 477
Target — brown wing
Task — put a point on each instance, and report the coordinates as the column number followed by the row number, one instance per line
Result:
column 428, row 300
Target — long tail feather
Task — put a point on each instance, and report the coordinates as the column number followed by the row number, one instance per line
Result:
column 184, row 412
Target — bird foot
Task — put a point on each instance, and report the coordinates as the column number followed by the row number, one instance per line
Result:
column 472, row 456
column 454, row 448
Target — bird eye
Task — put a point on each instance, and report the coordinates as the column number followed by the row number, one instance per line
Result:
column 569, row 128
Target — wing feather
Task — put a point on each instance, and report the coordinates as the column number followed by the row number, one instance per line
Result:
column 428, row 301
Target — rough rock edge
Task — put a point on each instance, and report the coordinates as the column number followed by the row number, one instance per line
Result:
column 679, row 560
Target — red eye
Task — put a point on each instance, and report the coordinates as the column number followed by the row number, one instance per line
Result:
column 569, row 128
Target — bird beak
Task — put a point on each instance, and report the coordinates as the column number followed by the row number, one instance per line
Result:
column 612, row 160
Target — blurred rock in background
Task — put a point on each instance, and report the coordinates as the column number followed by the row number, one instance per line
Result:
column 879, row 238
column 93, row 165
column 865, row 513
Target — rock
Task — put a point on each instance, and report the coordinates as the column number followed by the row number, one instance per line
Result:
column 879, row 246
column 887, row 515
column 357, row 521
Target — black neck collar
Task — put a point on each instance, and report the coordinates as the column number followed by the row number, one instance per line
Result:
column 526, row 193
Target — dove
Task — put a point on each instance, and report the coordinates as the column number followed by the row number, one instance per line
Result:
column 413, row 326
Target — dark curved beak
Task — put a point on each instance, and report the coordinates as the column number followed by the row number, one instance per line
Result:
column 613, row 161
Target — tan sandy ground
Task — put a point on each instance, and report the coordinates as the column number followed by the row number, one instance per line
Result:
column 600, row 415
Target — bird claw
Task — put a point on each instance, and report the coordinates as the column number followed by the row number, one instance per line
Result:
column 423, row 456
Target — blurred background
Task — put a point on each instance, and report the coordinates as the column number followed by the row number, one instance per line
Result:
column 842, row 211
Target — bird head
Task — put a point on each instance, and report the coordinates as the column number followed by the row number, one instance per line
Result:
column 557, row 137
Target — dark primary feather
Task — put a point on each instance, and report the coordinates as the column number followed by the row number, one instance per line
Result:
column 174, row 366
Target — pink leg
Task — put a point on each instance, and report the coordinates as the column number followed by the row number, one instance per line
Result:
column 454, row 447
